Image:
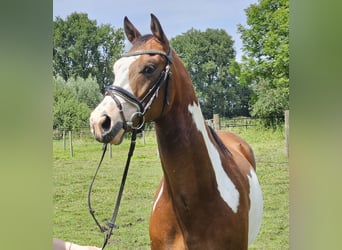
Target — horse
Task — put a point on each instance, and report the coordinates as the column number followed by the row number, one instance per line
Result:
column 209, row 196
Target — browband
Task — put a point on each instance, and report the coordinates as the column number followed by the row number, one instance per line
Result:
column 151, row 51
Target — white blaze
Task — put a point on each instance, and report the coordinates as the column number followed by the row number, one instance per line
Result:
column 225, row 186
column 121, row 72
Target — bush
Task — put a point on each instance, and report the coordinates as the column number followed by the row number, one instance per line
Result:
column 68, row 112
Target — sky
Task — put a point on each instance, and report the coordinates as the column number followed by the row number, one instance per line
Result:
column 176, row 16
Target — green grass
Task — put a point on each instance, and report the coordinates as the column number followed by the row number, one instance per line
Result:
column 71, row 178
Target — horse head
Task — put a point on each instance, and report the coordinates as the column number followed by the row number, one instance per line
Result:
column 140, row 92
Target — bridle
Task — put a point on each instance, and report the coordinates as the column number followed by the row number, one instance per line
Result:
column 143, row 106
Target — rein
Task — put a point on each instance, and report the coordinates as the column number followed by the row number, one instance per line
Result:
column 111, row 224
column 115, row 91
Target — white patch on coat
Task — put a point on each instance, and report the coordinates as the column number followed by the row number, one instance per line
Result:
column 225, row 186
column 256, row 207
column 158, row 197
column 121, row 72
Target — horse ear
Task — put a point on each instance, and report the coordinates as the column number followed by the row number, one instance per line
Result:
column 130, row 30
column 157, row 30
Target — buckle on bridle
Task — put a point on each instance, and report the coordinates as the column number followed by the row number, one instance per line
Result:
column 137, row 118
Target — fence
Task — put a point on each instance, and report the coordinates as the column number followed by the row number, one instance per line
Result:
column 78, row 133
column 223, row 123
column 217, row 123
column 68, row 136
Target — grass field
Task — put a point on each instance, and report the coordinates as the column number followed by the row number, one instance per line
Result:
column 71, row 178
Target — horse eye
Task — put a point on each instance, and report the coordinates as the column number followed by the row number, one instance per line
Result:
column 149, row 69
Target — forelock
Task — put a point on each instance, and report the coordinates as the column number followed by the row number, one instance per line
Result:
column 141, row 40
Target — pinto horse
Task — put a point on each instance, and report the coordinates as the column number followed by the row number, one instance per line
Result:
column 209, row 196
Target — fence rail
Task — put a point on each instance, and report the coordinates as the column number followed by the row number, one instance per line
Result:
column 224, row 123
column 78, row 133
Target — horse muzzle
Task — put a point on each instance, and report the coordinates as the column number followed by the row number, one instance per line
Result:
column 105, row 129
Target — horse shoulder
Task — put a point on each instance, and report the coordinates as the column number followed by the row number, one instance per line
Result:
column 164, row 229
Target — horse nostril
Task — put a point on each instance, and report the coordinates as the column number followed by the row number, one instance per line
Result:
column 106, row 124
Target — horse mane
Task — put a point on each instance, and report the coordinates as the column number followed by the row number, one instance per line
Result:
column 219, row 141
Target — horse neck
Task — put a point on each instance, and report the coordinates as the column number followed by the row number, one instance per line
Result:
column 184, row 156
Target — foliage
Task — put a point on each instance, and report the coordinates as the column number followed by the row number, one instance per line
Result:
column 271, row 103
column 85, row 90
column 69, row 112
column 81, row 48
column 209, row 57
column 265, row 65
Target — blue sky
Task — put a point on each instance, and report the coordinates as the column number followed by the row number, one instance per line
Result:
column 176, row 16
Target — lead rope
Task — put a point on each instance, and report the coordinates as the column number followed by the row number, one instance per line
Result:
column 111, row 224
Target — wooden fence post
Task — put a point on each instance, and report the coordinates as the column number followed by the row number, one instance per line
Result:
column 71, row 149
column 110, row 151
column 287, row 132
column 64, row 142
column 216, row 122
column 143, row 137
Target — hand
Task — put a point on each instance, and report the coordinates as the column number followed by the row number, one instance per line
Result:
column 78, row 247
column 59, row 244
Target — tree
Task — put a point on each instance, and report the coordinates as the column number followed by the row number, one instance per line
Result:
column 208, row 57
column 68, row 112
column 85, row 91
column 265, row 65
column 81, row 48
